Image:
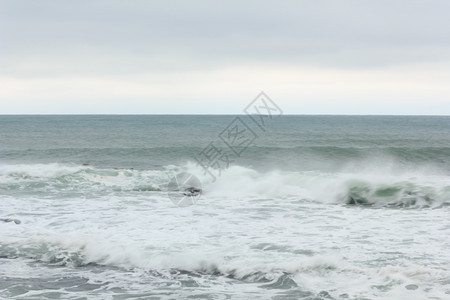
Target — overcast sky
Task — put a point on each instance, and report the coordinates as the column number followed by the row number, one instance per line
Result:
column 152, row 57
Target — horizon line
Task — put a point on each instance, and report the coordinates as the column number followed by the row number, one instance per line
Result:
column 205, row 114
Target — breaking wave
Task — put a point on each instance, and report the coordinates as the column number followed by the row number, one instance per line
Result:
column 64, row 252
column 375, row 188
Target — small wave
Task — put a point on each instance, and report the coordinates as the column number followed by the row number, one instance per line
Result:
column 37, row 178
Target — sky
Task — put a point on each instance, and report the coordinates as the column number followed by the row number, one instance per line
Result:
column 214, row 57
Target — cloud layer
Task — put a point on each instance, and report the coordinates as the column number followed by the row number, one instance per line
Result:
column 355, row 57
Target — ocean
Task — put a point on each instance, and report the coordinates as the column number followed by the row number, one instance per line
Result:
column 306, row 207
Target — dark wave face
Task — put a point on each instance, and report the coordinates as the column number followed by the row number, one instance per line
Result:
column 315, row 207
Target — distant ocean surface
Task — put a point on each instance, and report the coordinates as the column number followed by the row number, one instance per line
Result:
column 313, row 207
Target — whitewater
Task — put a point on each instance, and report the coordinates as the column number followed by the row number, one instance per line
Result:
column 318, row 207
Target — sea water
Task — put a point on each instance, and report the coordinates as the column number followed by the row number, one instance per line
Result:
column 309, row 207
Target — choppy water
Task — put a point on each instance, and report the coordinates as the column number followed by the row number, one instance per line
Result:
column 318, row 207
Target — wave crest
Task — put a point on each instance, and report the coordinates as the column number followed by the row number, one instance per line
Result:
column 372, row 188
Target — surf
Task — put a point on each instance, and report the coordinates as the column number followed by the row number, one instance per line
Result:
column 370, row 187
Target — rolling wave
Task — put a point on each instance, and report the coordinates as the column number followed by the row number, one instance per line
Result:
column 62, row 252
column 370, row 187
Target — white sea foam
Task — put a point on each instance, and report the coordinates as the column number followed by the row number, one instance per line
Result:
column 273, row 231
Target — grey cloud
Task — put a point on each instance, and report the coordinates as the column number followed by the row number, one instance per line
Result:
column 137, row 36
